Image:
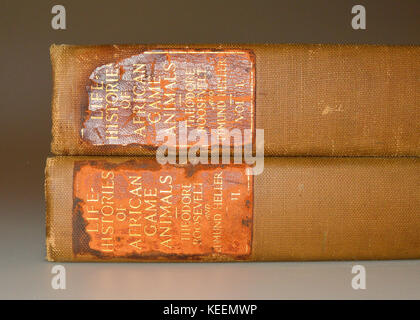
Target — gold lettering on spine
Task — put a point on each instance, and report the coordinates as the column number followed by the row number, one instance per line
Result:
column 221, row 73
column 217, row 231
column 135, row 225
column 134, row 99
column 136, row 209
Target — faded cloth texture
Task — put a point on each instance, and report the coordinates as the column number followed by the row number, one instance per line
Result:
column 330, row 100
column 304, row 209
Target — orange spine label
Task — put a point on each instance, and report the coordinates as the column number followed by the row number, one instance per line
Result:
column 131, row 100
column 140, row 209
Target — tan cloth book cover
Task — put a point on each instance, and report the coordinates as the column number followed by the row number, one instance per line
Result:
column 329, row 100
column 134, row 209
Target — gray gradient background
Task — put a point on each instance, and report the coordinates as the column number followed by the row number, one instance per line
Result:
column 25, row 93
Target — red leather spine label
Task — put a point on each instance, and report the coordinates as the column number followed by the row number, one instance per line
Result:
column 131, row 100
column 140, row 209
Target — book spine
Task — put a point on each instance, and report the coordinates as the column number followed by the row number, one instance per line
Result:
column 326, row 100
column 134, row 209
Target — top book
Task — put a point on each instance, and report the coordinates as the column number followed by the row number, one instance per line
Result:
column 324, row 100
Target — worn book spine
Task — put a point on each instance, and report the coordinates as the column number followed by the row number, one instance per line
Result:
column 134, row 209
column 327, row 100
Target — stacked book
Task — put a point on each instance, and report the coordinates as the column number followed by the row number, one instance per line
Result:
column 322, row 153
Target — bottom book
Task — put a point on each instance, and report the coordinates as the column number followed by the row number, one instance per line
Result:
column 134, row 209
